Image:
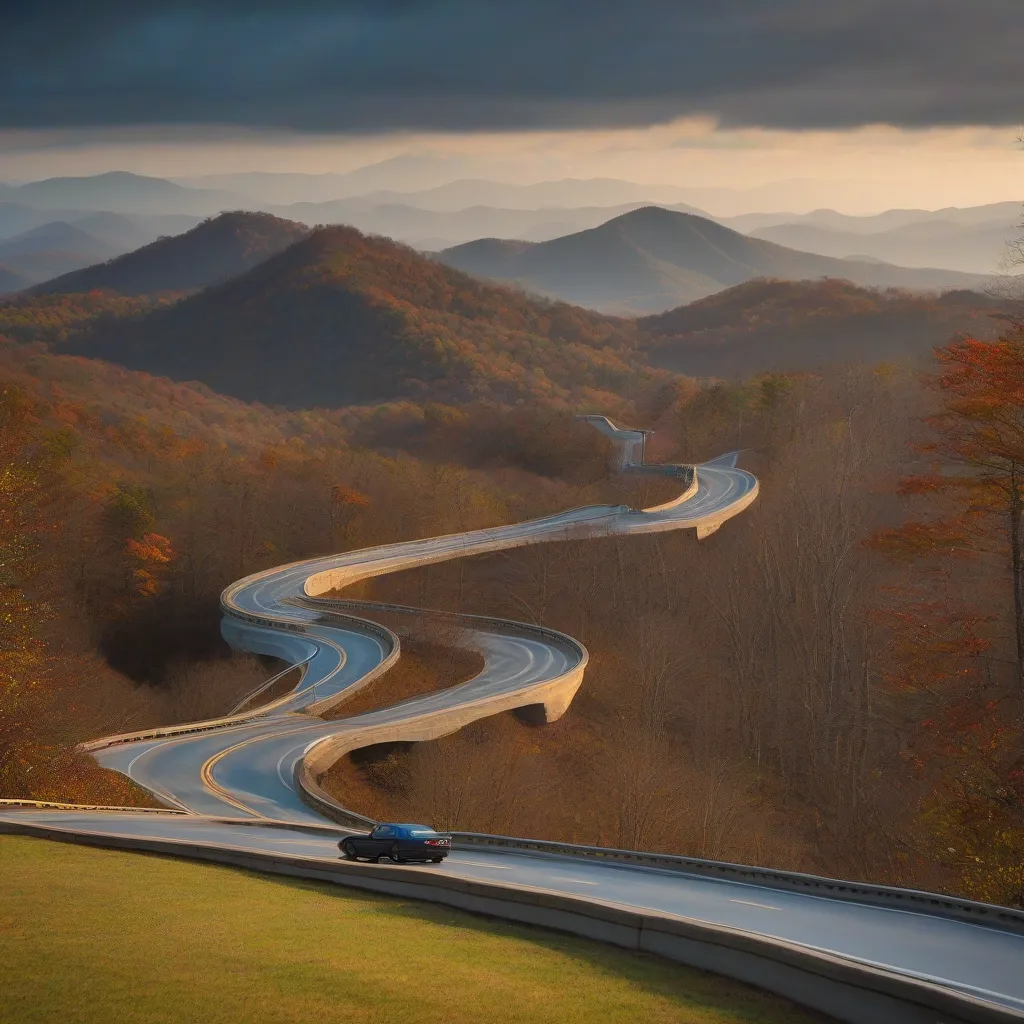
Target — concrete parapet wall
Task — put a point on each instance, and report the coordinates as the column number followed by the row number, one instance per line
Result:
column 390, row 644
column 554, row 693
column 690, row 491
column 473, row 543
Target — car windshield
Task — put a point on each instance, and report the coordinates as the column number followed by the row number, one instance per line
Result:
column 422, row 833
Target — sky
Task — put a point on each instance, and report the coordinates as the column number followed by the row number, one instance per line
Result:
column 869, row 103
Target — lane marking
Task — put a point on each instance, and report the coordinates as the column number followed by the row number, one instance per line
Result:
column 750, row 903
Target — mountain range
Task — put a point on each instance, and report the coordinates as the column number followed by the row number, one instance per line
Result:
column 651, row 259
column 430, row 203
column 340, row 318
column 272, row 313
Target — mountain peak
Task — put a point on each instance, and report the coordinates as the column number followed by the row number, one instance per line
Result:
column 651, row 259
column 213, row 251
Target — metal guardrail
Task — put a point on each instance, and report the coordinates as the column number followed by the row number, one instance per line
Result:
column 253, row 694
column 917, row 900
column 53, row 805
column 165, row 731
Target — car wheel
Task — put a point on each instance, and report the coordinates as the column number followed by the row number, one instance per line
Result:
column 436, row 860
column 395, row 859
column 348, row 850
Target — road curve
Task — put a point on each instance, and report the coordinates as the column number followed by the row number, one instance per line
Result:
column 249, row 766
column 246, row 767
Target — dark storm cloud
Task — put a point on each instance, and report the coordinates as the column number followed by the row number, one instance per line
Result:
column 349, row 65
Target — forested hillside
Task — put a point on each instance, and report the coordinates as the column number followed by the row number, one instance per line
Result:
column 339, row 318
column 212, row 251
column 768, row 325
column 129, row 502
column 830, row 684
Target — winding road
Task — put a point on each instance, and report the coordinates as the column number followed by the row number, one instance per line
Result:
column 259, row 769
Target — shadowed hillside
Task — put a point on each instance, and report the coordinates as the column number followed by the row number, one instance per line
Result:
column 767, row 325
column 340, row 318
column 652, row 259
column 211, row 252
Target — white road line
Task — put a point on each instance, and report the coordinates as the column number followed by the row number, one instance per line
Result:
column 749, row 903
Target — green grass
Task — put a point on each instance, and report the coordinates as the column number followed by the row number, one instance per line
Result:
column 90, row 935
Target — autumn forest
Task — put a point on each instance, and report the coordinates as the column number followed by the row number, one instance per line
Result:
column 834, row 683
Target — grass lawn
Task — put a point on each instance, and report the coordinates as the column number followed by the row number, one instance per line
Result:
column 90, row 935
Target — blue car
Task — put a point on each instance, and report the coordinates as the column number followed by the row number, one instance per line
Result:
column 398, row 843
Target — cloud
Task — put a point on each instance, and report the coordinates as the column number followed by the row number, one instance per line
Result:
column 385, row 65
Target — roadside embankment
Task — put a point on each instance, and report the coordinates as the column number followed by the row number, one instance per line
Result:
column 142, row 939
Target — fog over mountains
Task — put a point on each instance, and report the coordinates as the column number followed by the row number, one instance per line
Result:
column 60, row 225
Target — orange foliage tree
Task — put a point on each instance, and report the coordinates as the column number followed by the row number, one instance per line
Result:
column 346, row 508
column 150, row 556
column 962, row 586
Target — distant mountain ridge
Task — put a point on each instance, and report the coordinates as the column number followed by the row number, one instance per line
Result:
column 50, row 249
column 973, row 248
column 211, row 252
column 651, row 259
column 11, row 282
column 118, row 192
column 764, row 325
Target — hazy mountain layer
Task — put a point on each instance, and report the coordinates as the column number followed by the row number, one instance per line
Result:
column 51, row 249
column 11, row 281
column 928, row 243
column 652, row 259
column 118, row 192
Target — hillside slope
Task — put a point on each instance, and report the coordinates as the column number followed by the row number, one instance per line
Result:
column 339, row 318
column 211, row 252
column 652, row 259
column 765, row 325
